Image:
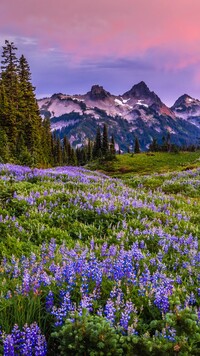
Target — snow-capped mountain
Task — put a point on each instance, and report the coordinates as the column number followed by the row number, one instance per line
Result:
column 187, row 108
column 138, row 112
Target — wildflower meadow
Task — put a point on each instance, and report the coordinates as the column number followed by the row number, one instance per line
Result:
column 92, row 265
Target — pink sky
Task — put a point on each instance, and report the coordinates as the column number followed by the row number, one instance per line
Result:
column 115, row 42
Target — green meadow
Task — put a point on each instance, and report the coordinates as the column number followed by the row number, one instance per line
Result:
column 148, row 163
column 97, row 265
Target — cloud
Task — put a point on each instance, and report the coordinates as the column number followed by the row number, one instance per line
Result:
column 89, row 29
column 75, row 43
column 120, row 63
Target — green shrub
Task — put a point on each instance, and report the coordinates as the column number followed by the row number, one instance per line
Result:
column 88, row 335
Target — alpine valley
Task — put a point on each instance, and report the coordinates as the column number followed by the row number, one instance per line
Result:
column 138, row 112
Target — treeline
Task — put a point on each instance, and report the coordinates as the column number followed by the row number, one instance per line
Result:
column 165, row 146
column 102, row 148
column 27, row 139
column 24, row 137
column 168, row 146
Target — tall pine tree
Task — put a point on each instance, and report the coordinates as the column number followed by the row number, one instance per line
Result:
column 112, row 146
column 97, row 149
column 27, row 138
column 105, row 144
column 9, row 94
column 31, row 121
column 137, row 145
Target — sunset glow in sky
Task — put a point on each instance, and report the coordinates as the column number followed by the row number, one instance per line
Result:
column 71, row 45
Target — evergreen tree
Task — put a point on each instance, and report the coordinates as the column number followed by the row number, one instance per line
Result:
column 154, row 145
column 58, row 152
column 168, row 143
column 31, row 122
column 4, row 109
column 164, row 144
column 73, row 159
column 81, row 155
column 112, row 146
column 97, row 149
column 84, row 155
column 9, row 93
column 137, row 146
column 20, row 122
column 47, row 141
column 9, row 65
column 54, row 148
column 105, row 144
column 78, row 155
column 66, row 150
column 89, row 150
column 4, row 147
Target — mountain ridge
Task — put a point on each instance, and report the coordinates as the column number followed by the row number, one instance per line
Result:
column 137, row 112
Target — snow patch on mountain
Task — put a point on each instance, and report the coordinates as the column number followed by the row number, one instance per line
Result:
column 119, row 102
column 92, row 112
column 139, row 110
column 58, row 108
column 125, row 100
column 59, row 125
column 77, row 99
column 139, row 102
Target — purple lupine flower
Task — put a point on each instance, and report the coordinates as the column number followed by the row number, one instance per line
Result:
column 192, row 299
column 126, row 315
column 109, row 311
column 17, row 338
column 161, row 299
column 28, row 342
column 61, row 313
column 8, row 346
column 40, row 346
column 86, row 303
column 49, row 301
column 26, row 282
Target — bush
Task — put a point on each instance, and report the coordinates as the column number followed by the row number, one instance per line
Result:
column 88, row 335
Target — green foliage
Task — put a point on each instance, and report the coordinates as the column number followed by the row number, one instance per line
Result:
column 102, row 149
column 65, row 208
column 128, row 165
column 4, row 147
column 88, row 335
column 24, row 138
column 105, row 144
column 137, row 146
column 97, row 149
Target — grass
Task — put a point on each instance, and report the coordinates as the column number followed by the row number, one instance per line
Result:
column 148, row 163
column 106, row 244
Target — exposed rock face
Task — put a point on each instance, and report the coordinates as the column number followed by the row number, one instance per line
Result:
column 140, row 90
column 188, row 109
column 97, row 92
column 138, row 112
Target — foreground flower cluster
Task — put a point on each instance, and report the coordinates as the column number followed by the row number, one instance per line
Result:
column 73, row 240
column 27, row 342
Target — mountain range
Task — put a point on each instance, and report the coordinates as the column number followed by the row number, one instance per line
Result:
column 138, row 112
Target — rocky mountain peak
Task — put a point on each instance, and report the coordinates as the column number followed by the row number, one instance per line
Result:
column 142, row 91
column 97, row 92
column 184, row 99
column 56, row 96
column 138, row 90
column 141, row 87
